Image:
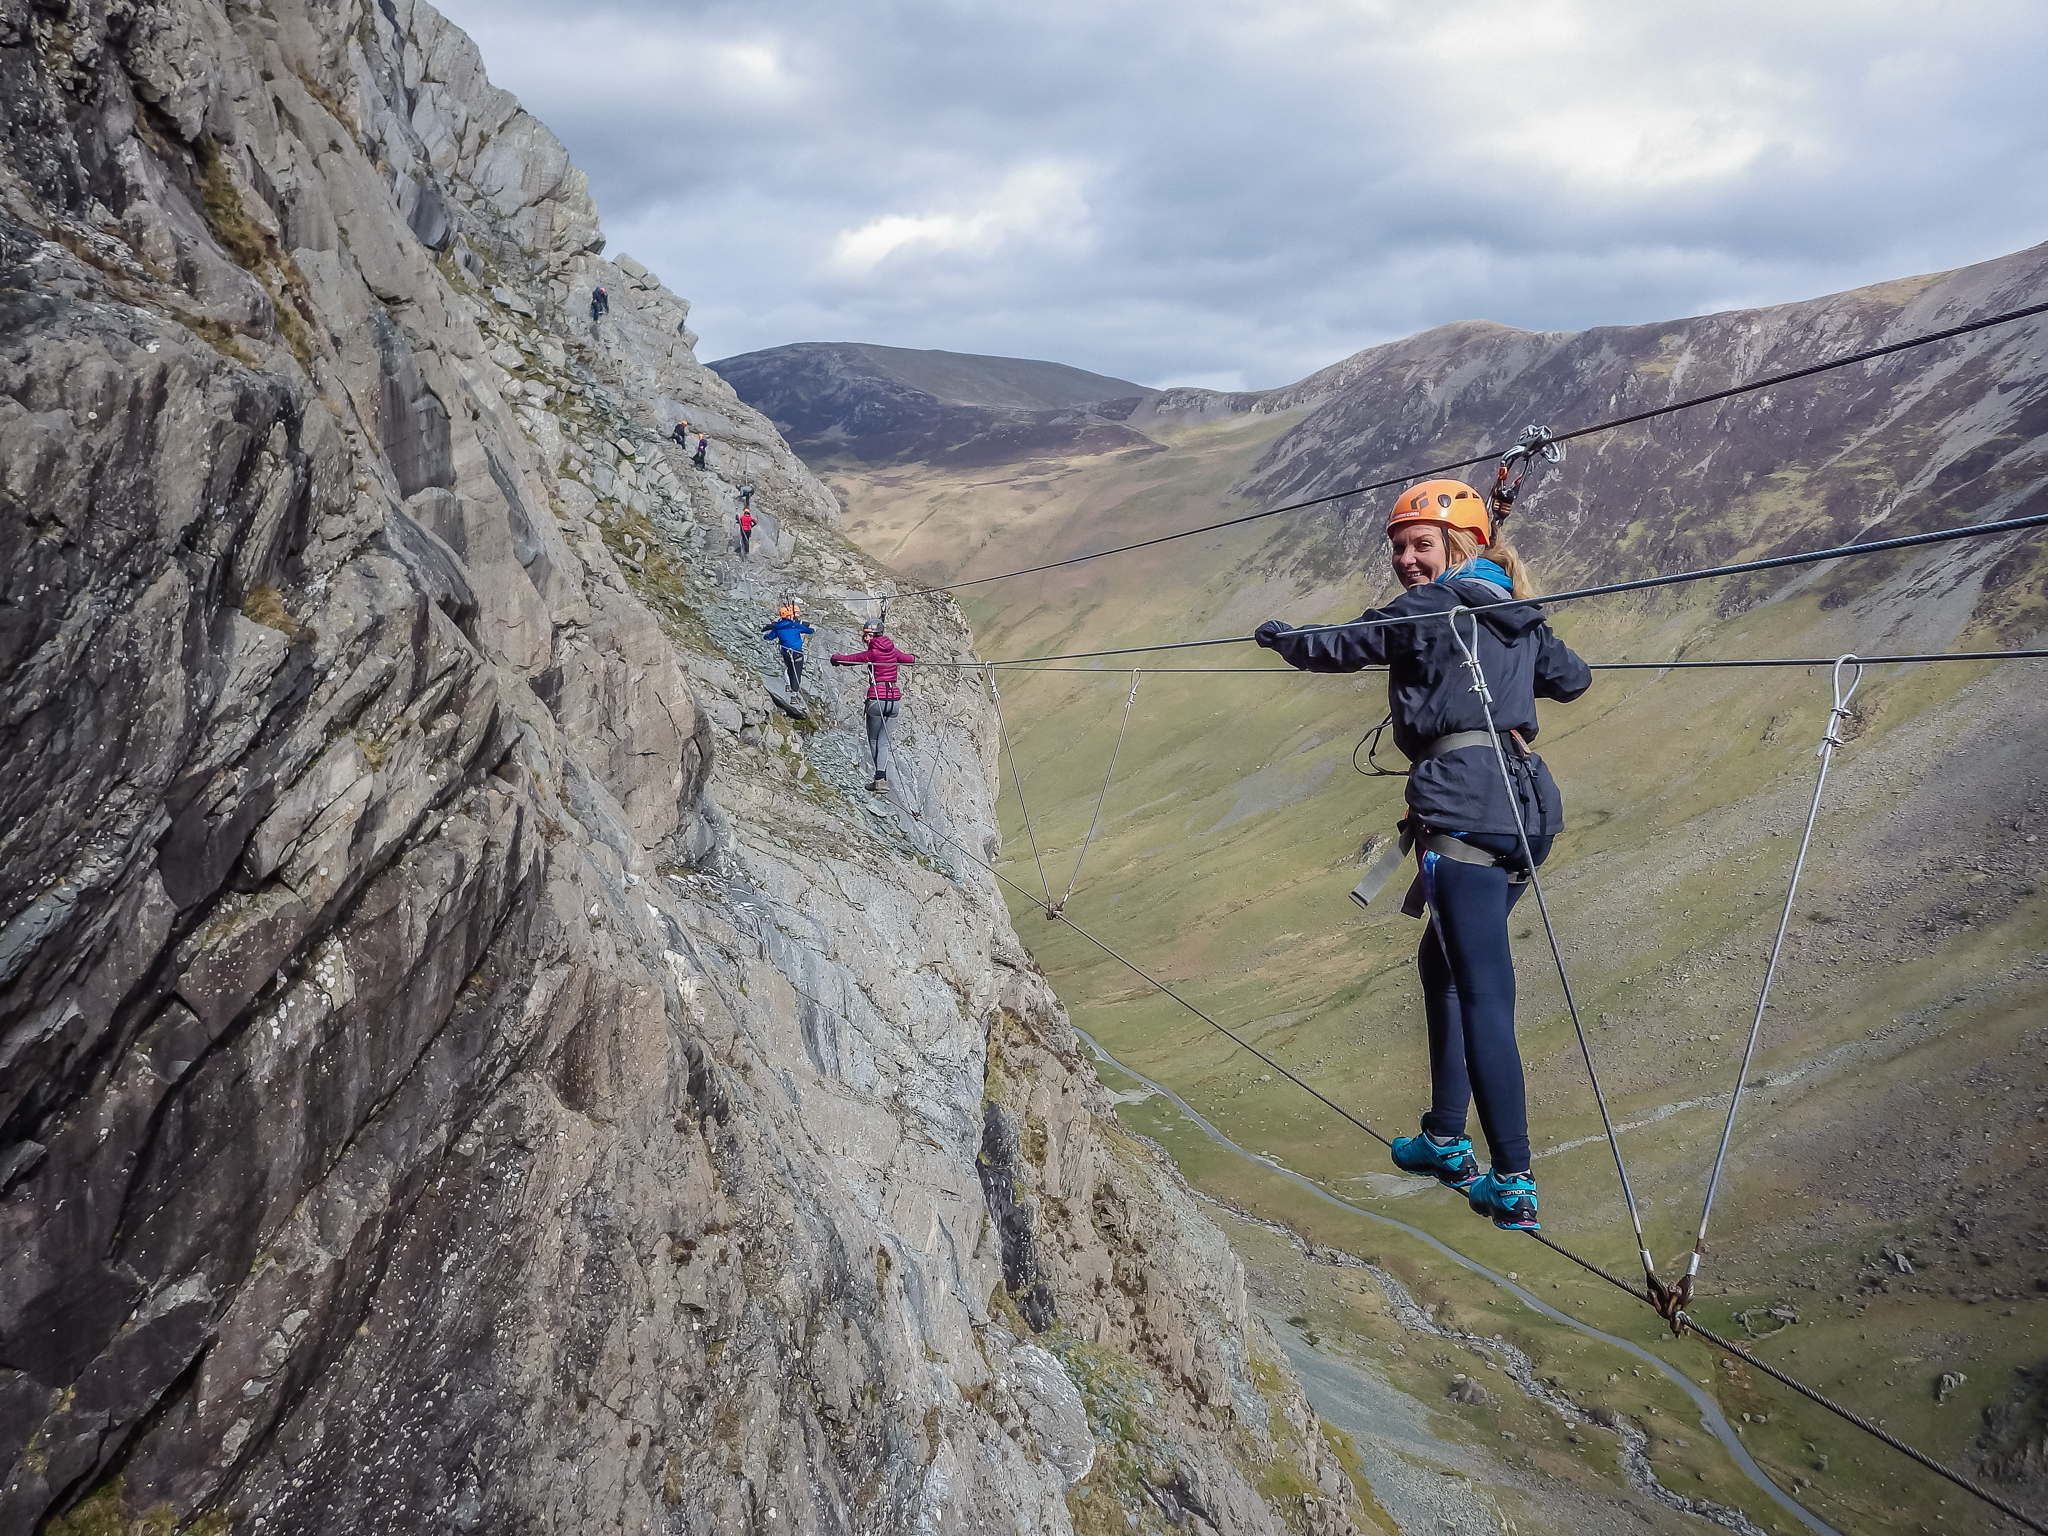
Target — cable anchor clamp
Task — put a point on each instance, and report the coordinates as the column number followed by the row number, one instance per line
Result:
column 1668, row 1300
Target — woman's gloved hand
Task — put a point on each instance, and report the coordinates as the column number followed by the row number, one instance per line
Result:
column 1270, row 631
column 837, row 662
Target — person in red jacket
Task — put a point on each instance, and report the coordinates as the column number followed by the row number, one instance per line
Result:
column 746, row 531
column 884, row 696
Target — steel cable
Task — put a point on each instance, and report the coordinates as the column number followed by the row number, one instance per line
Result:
column 1597, row 666
column 1857, row 1419
column 1775, row 562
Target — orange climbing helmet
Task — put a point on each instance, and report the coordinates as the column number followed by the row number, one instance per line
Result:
column 1443, row 501
column 789, row 610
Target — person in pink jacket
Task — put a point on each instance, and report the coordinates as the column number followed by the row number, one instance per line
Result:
column 884, row 696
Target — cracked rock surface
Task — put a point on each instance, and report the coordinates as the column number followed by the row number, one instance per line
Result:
column 472, row 1057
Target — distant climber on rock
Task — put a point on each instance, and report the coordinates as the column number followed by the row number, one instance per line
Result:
column 1475, row 841
column 884, row 696
column 747, row 497
column 600, row 303
column 746, row 532
column 788, row 630
column 681, row 436
column 703, row 446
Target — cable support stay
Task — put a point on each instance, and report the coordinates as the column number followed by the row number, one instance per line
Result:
column 996, row 698
column 1485, row 693
column 1059, row 907
column 1558, row 437
column 1830, row 742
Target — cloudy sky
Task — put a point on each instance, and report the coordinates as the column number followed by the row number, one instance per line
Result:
column 1238, row 194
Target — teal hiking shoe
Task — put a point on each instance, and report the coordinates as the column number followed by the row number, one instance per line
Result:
column 1450, row 1163
column 1509, row 1198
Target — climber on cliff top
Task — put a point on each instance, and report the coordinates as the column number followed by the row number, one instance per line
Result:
column 746, row 532
column 1468, row 835
column 884, row 696
column 788, row 629
column 600, row 302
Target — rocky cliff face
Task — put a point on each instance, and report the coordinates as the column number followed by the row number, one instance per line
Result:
column 468, row 1060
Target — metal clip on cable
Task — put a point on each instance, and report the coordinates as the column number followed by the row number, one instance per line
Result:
column 1533, row 443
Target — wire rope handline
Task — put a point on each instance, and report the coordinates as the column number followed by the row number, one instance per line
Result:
column 996, row 698
column 1058, row 908
column 1687, row 404
column 1830, row 742
column 1774, row 562
column 1709, row 663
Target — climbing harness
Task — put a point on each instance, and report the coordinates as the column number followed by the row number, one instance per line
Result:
column 1534, row 443
column 1060, row 906
column 1830, row 742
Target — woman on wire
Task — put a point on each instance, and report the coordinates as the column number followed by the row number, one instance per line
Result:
column 884, row 696
column 1468, row 828
column 787, row 629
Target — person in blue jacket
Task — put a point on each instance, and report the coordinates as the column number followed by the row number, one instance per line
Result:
column 788, row 631
column 1467, row 824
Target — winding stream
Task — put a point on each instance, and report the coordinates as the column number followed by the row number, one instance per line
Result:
column 1711, row 1418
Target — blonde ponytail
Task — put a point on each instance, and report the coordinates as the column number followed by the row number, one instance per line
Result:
column 1460, row 546
column 1520, row 582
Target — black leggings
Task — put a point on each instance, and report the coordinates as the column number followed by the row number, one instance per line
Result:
column 1468, row 991
column 793, row 665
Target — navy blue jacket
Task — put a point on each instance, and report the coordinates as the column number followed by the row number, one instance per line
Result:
column 1429, row 693
column 788, row 633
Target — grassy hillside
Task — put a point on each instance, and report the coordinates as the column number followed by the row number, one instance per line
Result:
column 1884, row 1172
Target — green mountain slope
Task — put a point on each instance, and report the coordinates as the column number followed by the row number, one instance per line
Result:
column 1883, row 1177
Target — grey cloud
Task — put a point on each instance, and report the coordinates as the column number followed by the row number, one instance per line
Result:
column 1268, row 188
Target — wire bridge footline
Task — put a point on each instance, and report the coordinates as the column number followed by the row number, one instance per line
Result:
column 1412, row 476
column 1682, row 1321
column 1669, row 1301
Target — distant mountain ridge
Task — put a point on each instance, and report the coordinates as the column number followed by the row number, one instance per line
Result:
column 883, row 403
